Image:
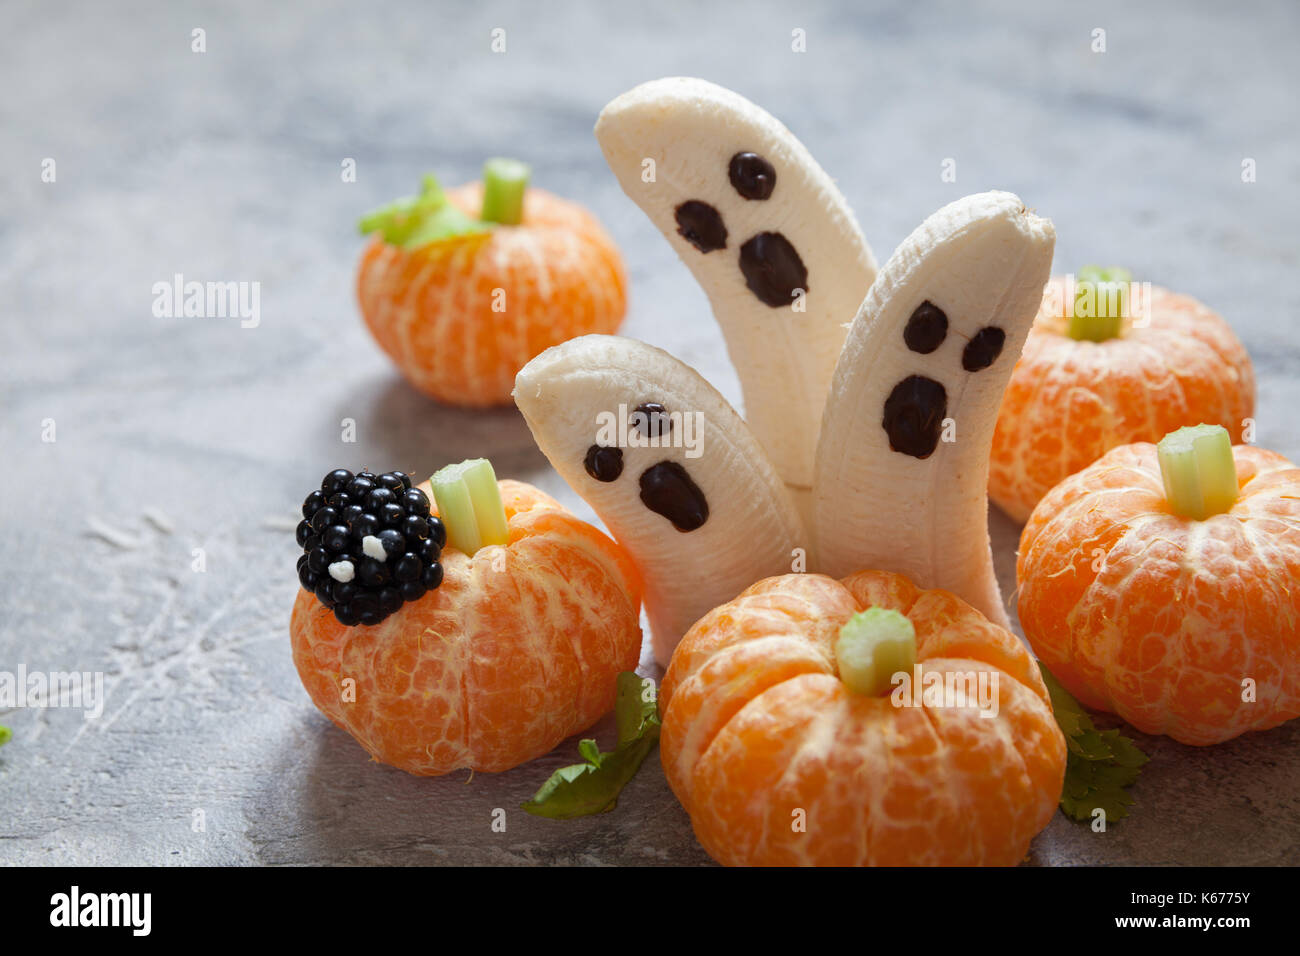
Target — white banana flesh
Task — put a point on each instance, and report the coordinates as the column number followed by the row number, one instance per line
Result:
column 703, row 515
column 902, row 461
column 765, row 231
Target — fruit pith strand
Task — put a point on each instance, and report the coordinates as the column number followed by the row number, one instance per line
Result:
column 369, row 545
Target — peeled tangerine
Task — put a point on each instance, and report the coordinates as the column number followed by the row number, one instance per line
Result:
column 1148, row 598
column 462, row 288
column 520, row 647
column 781, row 755
column 1081, row 388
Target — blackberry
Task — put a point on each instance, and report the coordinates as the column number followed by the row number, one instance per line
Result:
column 365, row 524
column 416, row 502
column 380, row 497
column 369, row 544
column 392, row 542
column 336, row 538
column 313, row 503
column 324, row 518
column 373, row 574
column 359, row 487
column 409, row 567
column 336, row 481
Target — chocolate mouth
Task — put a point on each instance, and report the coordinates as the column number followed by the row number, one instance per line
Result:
column 667, row 489
column 914, row 414
column 772, row 269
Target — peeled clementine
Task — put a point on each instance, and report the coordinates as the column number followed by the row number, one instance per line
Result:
column 1181, row 627
column 1070, row 401
column 520, row 647
column 778, row 762
column 461, row 317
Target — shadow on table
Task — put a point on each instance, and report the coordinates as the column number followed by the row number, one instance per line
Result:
column 329, row 803
column 406, row 429
column 1233, row 804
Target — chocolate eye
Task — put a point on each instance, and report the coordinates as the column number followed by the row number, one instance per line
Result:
column 667, row 489
column 651, row 420
column 751, row 175
column 926, row 329
column 983, row 350
column 914, row 413
column 604, row 463
column 701, row 225
column 773, row 269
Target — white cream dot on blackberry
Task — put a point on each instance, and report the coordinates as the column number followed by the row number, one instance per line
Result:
column 374, row 548
column 342, row 571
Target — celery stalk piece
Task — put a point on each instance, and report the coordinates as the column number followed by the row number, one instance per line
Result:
column 504, row 183
column 469, row 503
column 1100, row 302
column 874, row 645
column 485, row 495
column 420, row 220
column 455, row 508
column 1198, row 470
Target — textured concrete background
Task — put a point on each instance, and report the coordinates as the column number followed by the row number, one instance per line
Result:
column 225, row 166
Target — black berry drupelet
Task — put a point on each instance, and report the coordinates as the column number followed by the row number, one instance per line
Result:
column 369, row 545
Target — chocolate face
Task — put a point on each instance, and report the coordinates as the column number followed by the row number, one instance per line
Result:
column 984, row 349
column 651, row 420
column 914, row 414
column 604, row 463
column 701, row 225
column 772, row 269
column 667, row 489
column 751, row 175
column 926, row 329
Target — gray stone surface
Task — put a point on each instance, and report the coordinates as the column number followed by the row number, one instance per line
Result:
column 225, row 166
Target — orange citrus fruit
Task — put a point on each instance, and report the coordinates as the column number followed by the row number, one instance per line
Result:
column 520, row 647
column 460, row 317
column 1071, row 401
column 778, row 762
column 1181, row 627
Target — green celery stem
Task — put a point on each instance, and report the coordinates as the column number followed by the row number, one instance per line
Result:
column 469, row 504
column 1099, row 321
column 504, row 183
column 872, row 647
column 1198, row 471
